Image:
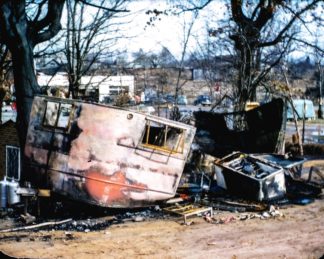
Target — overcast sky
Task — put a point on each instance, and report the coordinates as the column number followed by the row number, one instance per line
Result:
column 167, row 32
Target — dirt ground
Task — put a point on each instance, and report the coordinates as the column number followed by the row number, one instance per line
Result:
column 299, row 233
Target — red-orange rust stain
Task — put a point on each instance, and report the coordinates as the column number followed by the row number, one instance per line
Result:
column 112, row 188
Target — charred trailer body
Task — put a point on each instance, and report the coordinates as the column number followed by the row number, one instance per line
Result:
column 250, row 177
column 260, row 130
column 104, row 155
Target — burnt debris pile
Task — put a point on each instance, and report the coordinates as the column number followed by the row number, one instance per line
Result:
column 241, row 182
column 69, row 215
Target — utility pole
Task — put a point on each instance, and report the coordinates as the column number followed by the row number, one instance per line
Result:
column 320, row 70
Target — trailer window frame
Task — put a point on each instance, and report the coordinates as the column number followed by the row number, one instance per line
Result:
column 162, row 142
column 59, row 110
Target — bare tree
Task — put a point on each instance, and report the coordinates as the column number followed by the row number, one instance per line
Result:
column 23, row 25
column 89, row 38
column 214, row 57
column 256, row 28
column 187, row 33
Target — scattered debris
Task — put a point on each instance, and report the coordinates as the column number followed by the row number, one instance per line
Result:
column 138, row 219
column 188, row 210
column 45, row 224
column 299, row 189
column 69, row 235
column 225, row 220
column 157, row 208
column 174, row 200
column 237, row 205
column 271, row 213
column 27, row 218
column 253, row 182
column 188, row 223
column 318, row 172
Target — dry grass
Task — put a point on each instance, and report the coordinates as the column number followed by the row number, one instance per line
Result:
column 309, row 149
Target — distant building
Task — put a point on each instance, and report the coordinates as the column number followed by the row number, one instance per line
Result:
column 8, row 112
column 106, row 85
column 114, row 85
column 59, row 80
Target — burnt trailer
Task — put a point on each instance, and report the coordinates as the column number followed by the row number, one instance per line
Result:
column 260, row 130
column 104, row 155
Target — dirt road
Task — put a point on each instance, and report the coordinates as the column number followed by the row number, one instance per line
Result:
column 298, row 234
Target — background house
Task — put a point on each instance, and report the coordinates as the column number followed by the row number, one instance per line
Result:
column 106, row 86
column 114, row 85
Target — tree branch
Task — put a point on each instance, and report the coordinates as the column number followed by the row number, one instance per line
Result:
column 51, row 22
column 39, row 10
column 266, row 71
column 53, row 8
column 195, row 7
column 288, row 25
column 266, row 13
column 237, row 13
column 316, row 47
column 255, row 11
column 103, row 7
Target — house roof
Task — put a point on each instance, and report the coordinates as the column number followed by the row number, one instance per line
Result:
column 8, row 123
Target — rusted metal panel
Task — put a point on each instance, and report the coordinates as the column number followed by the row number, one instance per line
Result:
column 104, row 155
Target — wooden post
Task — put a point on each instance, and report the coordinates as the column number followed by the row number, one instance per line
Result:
column 300, row 144
column 304, row 117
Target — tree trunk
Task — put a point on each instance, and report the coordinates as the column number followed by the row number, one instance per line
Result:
column 245, row 53
column 26, row 87
column 18, row 38
column 74, row 85
column 21, row 35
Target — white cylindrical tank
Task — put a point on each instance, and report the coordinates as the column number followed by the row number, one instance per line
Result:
column 3, row 193
column 13, row 197
column 142, row 97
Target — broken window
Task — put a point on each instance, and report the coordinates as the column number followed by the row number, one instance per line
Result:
column 64, row 115
column 57, row 115
column 51, row 114
column 163, row 137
